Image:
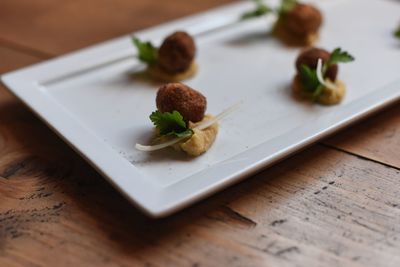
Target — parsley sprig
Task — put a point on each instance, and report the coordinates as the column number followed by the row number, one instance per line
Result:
column 339, row 56
column 286, row 6
column 310, row 82
column 397, row 33
column 170, row 124
column 262, row 9
column 309, row 77
column 147, row 52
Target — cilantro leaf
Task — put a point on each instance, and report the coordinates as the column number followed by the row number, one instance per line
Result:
column 170, row 123
column 260, row 10
column 147, row 53
column 287, row 5
column 310, row 82
column 309, row 78
column 317, row 92
column 397, row 33
column 184, row 134
column 339, row 56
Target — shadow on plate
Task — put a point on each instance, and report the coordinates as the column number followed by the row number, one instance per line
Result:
column 142, row 76
column 251, row 38
column 297, row 100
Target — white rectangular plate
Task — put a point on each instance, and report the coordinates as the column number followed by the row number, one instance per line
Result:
column 92, row 100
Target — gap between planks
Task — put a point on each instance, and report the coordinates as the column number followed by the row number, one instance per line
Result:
column 358, row 156
column 25, row 49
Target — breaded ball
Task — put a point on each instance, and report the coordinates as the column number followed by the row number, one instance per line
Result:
column 187, row 101
column 303, row 20
column 310, row 58
column 176, row 53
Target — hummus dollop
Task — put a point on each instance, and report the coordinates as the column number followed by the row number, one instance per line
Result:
column 201, row 140
column 328, row 96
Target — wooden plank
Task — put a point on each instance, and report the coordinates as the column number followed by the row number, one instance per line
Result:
column 322, row 207
column 12, row 59
column 56, row 27
column 377, row 138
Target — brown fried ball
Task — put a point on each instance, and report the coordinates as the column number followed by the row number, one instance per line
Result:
column 187, row 101
column 310, row 57
column 303, row 20
column 176, row 53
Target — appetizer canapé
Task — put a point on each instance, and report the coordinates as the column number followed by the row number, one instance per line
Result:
column 297, row 24
column 316, row 77
column 173, row 61
column 181, row 122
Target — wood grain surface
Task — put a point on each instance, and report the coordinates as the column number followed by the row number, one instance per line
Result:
column 334, row 204
column 377, row 138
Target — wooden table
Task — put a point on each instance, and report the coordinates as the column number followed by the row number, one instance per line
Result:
column 336, row 203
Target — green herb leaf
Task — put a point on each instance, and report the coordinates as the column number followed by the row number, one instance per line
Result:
column 310, row 82
column 339, row 56
column 397, row 33
column 287, row 5
column 309, row 78
column 147, row 53
column 261, row 10
column 317, row 92
column 184, row 134
column 170, row 123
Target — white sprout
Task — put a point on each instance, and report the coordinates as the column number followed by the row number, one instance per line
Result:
column 326, row 83
column 158, row 146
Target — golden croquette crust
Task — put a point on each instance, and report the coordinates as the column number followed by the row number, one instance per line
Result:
column 303, row 20
column 176, row 53
column 187, row 101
